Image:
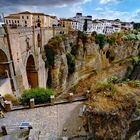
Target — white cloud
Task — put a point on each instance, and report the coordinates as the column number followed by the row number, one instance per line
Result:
column 98, row 9
column 76, row 8
column 107, row 13
column 108, row 1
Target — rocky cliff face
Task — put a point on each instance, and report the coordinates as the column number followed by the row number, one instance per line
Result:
column 71, row 58
column 110, row 115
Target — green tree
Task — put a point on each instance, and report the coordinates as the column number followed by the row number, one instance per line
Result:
column 101, row 40
column 94, row 33
column 71, row 63
column 85, row 25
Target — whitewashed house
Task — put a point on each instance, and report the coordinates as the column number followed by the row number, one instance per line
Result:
column 80, row 19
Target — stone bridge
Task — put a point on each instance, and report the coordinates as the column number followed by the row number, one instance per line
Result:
column 21, row 63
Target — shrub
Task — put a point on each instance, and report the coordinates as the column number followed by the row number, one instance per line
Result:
column 71, row 63
column 50, row 57
column 113, row 79
column 94, row 33
column 82, row 36
column 74, row 49
column 52, row 48
column 111, row 39
column 134, row 83
column 11, row 98
column 55, row 42
column 135, row 60
column 40, row 95
column 108, row 88
column 101, row 40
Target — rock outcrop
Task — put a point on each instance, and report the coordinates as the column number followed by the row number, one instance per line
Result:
column 110, row 115
column 75, row 58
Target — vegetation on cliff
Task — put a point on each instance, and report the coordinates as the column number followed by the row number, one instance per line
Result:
column 73, row 55
column 52, row 48
column 111, row 107
column 40, row 95
column 71, row 63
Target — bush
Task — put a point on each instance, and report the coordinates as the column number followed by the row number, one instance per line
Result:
column 40, row 95
column 74, row 49
column 134, row 83
column 111, row 39
column 108, row 88
column 50, row 57
column 101, row 40
column 11, row 98
column 52, row 48
column 113, row 79
column 135, row 60
column 94, row 33
column 71, row 63
column 82, row 36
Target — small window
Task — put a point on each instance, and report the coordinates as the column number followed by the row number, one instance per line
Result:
column 15, row 21
column 25, row 22
column 9, row 21
column 22, row 17
column 18, row 21
column 27, row 17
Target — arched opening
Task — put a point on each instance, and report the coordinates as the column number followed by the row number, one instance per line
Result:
column 4, row 65
column 32, row 74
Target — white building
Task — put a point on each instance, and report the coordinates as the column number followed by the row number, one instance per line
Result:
column 104, row 26
column 80, row 19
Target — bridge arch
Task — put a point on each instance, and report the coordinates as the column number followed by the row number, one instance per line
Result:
column 4, row 65
column 32, row 73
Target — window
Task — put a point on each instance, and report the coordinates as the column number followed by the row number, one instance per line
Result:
column 15, row 21
column 18, row 21
column 22, row 17
column 25, row 22
column 9, row 21
column 27, row 17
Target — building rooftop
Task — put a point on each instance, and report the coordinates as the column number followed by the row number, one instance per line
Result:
column 13, row 17
column 32, row 13
column 25, row 12
column 65, row 19
column 38, row 14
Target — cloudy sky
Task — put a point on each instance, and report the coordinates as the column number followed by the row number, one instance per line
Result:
column 126, row 10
